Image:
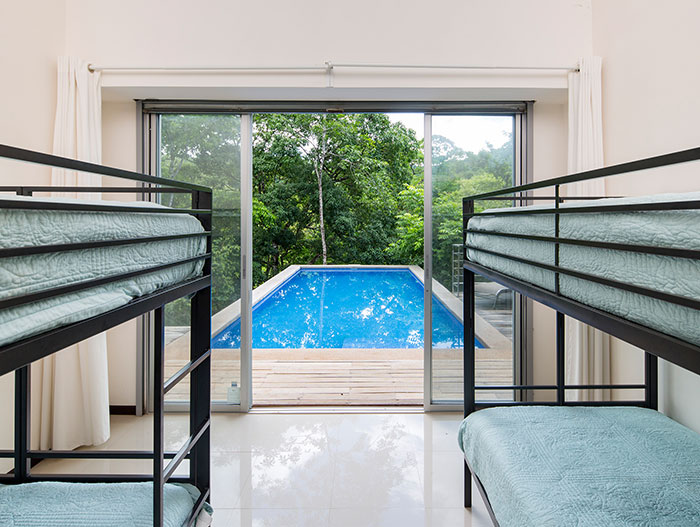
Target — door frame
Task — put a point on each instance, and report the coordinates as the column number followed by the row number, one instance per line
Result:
column 149, row 130
column 522, row 171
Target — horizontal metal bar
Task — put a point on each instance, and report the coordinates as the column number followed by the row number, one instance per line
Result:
column 94, row 454
column 197, row 69
column 63, row 290
column 604, row 386
column 516, row 387
column 325, row 68
column 43, row 249
column 185, row 450
column 480, row 405
column 7, row 454
column 606, row 403
column 29, row 156
column 452, row 67
column 668, row 347
column 645, row 249
column 92, row 207
column 627, row 207
column 652, row 293
column 106, row 190
column 485, row 404
column 567, row 387
column 674, row 158
column 187, row 106
column 101, row 478
column 26, row 351
column 184, row 371
column 550, row 198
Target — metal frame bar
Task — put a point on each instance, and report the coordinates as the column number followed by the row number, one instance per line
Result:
column 428, row 261
column 655, row 343
column 18, row 356
column 39, row 158
column 241, row 107
column 522, row 169
column 79, row 286
column 42, row 249
column 246, row 379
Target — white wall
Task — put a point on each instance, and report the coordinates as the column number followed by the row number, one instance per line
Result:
column 280, row 33
column 30, row 44
column 651, row 75
column 131, row 32
column 119, row 149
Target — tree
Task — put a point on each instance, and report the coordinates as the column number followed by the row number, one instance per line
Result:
column 358, row 164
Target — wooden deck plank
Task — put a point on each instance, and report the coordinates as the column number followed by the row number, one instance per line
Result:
column 373, row 381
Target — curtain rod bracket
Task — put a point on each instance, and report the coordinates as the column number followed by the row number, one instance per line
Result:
column 329, row 73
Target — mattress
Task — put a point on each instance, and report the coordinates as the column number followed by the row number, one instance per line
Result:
column 28, row 274
column 584, row 466
column 673, row 228
column 95, row 505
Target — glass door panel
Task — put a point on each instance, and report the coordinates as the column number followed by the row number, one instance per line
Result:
column 470, row 154
column 206, row 149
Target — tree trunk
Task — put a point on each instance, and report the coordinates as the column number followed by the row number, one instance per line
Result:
column 319, row 166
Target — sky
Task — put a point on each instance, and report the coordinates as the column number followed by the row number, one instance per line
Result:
column 469, row 132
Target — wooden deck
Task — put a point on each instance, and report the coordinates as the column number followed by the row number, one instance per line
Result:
column 347, row 377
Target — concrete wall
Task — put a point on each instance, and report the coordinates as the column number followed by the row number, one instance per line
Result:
column 651, row 73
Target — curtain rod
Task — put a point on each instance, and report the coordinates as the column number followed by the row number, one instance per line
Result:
column 328, row 67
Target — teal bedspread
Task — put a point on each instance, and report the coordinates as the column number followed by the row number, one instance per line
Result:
column 92, row 504
column 679, row 276
column 584, row 466
column 27, row 274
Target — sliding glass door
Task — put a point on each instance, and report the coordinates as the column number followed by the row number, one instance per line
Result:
column 465, row 154
column 467, row 150
column 206, row 149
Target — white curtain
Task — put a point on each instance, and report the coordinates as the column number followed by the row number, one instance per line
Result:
column 70, row 391
column 588, row 349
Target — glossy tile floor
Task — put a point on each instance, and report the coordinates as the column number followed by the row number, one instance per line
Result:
column 318, row 469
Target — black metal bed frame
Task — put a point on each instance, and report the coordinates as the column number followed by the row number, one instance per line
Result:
column 18, row 356
column 654, row 343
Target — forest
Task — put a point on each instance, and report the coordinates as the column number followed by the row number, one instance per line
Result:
column 327, row 189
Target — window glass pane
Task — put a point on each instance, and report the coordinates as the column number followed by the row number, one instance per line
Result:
column 205, row 149
column 471, row 154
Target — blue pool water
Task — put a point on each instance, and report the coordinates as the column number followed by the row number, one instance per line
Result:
column 346, row 308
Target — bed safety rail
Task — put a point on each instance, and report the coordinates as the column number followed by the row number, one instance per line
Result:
column 652, row 341
column 17, row 356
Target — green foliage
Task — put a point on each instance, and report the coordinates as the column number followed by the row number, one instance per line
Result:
column 371, row 173
column 367, row 161
column 205, row 149
column 456, row 174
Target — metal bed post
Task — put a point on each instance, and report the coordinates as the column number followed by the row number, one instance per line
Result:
column 651, row 380
column 22, row 409
column 200, row 378
column 561, row 357
column 158, row 416
column 469, row 351
column 22, row 423
column 561, row 320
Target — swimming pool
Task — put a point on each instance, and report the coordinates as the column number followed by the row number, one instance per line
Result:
column 346, row 308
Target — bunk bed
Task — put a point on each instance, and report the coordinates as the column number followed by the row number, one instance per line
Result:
column 71, row 269
column 629, row 267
